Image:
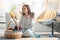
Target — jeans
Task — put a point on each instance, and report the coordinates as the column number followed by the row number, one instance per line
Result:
column 28, row 32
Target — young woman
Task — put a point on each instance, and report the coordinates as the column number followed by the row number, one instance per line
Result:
column 25, row 22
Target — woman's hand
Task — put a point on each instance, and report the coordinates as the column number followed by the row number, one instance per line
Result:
column 19, row 28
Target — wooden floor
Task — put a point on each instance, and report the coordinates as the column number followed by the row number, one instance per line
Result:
column 32, row 39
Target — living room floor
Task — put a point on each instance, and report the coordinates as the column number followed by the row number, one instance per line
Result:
column 41, row 34
column 41, row 38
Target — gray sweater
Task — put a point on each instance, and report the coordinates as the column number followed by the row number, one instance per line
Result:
column 25, row 23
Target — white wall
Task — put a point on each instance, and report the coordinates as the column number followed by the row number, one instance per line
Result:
column 37, row 6
column 4, row 7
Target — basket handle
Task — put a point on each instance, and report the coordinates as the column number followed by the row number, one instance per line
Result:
column 8, row 24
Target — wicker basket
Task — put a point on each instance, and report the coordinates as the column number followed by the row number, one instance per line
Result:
column 12, row 34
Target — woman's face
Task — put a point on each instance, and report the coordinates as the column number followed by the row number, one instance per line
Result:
column 25, row 10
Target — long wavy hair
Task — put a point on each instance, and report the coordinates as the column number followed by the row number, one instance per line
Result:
column 28, row 8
